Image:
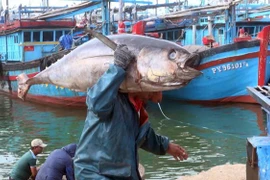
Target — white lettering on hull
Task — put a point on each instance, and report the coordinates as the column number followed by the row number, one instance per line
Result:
column 229, row 66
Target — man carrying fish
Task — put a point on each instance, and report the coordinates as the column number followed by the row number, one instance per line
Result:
column 116, row 126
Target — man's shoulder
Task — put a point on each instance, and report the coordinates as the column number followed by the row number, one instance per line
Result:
column 56, row 153
column 28, row 155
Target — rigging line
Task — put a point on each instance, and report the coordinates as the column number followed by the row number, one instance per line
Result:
column 196, row 126
column 213, row 130
column 163, row 112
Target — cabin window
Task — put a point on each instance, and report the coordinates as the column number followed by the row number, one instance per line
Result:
column 67, row 32
column 177, row 34
column 47, row 35
column 27, row 36
column 249, row 30
column 183, row 34
column 58, row 34
column 170, row 35
column 36, row 36
column 163, row 35
column 220, row 31
column 16, row 39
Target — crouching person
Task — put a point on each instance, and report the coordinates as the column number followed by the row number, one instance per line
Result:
column 26, row 168
column 58, row 163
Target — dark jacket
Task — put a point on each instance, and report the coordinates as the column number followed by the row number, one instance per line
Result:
column 58, row 163
column 112, row 134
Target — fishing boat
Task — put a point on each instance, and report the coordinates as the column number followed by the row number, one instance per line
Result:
column 238, row 60
column 31, row 44
column 228, row 70
column 232, row 41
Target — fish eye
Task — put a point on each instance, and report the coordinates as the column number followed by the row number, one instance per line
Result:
column 172, row 55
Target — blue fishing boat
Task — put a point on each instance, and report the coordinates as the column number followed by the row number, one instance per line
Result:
column 30, row 38
column 232, row 41
column 228, row 70
column 29, row 45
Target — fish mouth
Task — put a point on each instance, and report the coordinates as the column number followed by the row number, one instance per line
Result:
column 187, row 74
column 172, row 84
column 166, row 85
column 180, row 78
column 193, row 60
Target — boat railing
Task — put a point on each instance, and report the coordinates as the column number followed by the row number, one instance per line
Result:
column 264, row 37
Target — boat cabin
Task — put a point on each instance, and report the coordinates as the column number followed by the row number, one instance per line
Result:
column 28, row 40
column 227, row 25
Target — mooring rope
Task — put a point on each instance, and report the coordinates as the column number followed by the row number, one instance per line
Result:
column 199, row 127
column 163, row 112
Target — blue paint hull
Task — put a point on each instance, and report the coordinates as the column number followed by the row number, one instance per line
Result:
column 225, row 77
column 45, row 93
column 29, row 46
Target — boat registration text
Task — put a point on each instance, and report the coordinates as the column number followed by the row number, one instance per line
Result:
column 229, row 66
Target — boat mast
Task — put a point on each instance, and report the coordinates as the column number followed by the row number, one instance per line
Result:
column 230, row 24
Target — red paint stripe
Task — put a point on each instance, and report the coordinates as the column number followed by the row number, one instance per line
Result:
column 30, row 24
column 79, row 102
column 13, row 78
column 74, row 102
column 228, row 59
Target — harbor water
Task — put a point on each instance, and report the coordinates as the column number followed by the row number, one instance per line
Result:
column 212, row 135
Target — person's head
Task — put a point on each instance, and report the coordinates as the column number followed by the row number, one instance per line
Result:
column 37, row 146
column 70, row 149
column 155, row 97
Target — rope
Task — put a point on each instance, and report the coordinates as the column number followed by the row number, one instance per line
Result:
column 199, row 127
column 162, row 112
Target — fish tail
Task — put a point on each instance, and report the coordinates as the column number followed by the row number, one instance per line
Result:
column 23, row 87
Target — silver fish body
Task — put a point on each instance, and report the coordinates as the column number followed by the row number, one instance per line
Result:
column 159, row 65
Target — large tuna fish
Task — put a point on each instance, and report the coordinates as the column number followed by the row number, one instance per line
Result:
column 160, row 65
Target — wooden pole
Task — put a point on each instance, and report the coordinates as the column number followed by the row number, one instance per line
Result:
column 120, row 11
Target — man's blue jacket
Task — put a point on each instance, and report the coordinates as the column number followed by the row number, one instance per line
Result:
column 66, row 41
column 112, row 133
column 58, row 163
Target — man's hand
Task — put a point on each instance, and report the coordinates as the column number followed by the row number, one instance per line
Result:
column 122, row 56
column 177, row 152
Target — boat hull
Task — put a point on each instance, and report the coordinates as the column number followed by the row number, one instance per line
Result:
column 227, row 71
column 43, row 94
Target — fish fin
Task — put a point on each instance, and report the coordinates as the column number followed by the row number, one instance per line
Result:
column 23, row 87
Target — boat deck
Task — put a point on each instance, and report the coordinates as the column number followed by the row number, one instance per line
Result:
column 261, row 94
